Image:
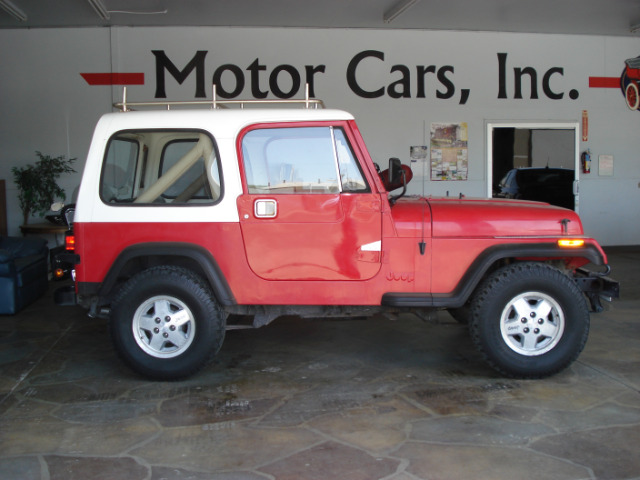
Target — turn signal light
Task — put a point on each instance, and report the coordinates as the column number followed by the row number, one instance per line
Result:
column 58, row 273
column 570, row 243
column 69, row 242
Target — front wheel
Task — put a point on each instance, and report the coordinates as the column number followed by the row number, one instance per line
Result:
column 529, row 320
column 165, row 323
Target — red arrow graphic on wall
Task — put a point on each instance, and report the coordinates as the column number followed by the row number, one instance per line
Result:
column 604, row 82
column 114, row 78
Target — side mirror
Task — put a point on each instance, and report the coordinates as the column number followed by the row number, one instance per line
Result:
column 395, row 171
column 397, row 178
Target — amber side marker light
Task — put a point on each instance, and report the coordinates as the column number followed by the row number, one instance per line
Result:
column 570, row 243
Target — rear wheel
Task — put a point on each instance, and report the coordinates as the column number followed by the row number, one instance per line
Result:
column 529, row 320
column 166, row 324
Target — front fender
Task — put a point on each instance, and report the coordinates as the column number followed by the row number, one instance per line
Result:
column 483, row 263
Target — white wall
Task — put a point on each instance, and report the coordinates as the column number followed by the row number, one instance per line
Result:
column 45, row 105
column 552, row 148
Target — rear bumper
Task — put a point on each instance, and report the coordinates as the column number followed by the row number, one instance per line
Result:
column 67, row 296
column 597, row 286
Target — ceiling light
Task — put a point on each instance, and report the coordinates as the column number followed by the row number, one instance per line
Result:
column 140, row 7
column 100, row 9
column 12, row 10
column 398, row 9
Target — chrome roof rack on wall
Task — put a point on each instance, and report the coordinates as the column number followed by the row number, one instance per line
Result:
column 215, row 103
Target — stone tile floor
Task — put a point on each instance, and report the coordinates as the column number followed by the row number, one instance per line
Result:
column 305, row 399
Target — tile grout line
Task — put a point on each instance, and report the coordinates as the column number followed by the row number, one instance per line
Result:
column 610, row 376
column 24, row 375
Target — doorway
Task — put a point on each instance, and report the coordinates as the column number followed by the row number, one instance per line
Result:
column 534, row 161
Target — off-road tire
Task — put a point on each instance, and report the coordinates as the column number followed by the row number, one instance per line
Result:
column 166, row 324
column 529, row 320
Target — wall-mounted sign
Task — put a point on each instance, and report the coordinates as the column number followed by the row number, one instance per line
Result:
column 418, row 153
column 449, row 151
column 605, row 165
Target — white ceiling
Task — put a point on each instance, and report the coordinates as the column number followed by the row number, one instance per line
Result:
column 591, row 17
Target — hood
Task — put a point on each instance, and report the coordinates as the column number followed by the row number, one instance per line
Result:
column 479, row 217
column 500, row 218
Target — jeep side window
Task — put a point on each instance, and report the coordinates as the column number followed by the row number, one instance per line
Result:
column 179, row 167
column 119, row 170
column 350, row 174
column 311, row 160
column 193, row 180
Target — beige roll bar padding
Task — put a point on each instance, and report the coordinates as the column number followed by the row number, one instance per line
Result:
column 202, row 149
column 192, row 189
column 206, row 179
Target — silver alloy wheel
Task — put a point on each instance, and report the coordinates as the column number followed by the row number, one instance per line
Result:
column 532, row 323
column 163, row 326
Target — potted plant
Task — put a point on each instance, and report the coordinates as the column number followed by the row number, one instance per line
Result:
column 37, row 184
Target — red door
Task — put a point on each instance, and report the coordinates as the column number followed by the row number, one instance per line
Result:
column 309, row 213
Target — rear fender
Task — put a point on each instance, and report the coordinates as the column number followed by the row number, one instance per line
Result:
column 141, row 256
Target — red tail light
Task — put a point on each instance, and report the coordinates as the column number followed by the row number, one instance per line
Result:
column 70, row 242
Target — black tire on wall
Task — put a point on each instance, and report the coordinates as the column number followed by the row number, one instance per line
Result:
column 166, row 324
column 529, row 320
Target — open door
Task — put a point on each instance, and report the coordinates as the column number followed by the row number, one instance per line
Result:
column 534, row 161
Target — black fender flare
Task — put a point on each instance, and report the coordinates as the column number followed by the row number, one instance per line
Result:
column 195, row 253
column 477, row 270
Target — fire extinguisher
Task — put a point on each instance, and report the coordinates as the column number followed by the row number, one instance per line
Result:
column 586, row 161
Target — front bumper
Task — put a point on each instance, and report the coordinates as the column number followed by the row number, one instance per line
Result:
column 597, row 286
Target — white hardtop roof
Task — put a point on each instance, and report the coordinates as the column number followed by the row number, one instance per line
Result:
column 218, row 121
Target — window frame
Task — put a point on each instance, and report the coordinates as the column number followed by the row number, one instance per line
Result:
column 332, row 126
column 142, row 163
column 136, row 176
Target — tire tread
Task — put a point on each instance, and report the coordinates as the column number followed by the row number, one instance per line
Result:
column 202, row 294
column 505, row 277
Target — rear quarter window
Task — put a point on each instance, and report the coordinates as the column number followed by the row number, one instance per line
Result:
column 161, row 167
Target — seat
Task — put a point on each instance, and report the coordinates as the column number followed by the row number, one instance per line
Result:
column 23, row 272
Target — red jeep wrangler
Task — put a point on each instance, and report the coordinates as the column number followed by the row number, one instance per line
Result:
column 188, row 219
